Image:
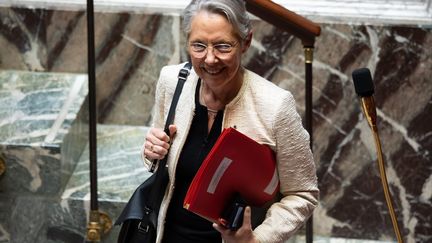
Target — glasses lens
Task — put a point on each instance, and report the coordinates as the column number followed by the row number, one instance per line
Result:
column 223, row 48
column 220, row 50
column 198, row 49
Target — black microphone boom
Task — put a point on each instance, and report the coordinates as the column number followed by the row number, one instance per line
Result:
column 364, row 88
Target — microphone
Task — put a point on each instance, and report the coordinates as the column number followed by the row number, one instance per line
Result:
column 364, row 88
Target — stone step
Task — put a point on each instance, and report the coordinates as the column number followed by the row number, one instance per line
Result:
column 120, row 172
column 40, row 135
column 64, row 219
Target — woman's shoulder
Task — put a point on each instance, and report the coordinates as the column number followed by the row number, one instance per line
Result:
column 169, row 74
column 171, row 70
column 263, row 87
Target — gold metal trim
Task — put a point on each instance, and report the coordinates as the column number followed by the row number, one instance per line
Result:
column 94, row 227
column 106, row 222
column 369, row 111
column 308, row 52
column 381, row 166
column 99, row 224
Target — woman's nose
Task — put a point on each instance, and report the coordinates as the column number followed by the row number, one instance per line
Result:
column 210, row 57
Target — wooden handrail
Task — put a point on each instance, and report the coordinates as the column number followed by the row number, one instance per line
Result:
column 285, row 19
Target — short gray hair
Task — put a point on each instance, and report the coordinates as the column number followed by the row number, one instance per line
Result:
column 233, row 10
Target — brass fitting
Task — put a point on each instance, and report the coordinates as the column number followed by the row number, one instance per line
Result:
column 106, row 223
column 93, row 232
column 99, row 224
column 308, row 52
column 94, row 227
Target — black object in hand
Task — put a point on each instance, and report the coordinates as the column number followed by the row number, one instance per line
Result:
column 232, row 217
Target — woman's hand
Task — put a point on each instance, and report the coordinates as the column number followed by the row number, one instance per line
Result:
column 243, row 235
column 158, row 142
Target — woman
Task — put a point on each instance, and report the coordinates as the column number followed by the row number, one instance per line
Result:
column 220, row 93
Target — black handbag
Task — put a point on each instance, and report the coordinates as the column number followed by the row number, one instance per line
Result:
column 139, row 217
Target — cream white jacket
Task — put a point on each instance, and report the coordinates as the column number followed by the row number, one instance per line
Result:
column 266, row 113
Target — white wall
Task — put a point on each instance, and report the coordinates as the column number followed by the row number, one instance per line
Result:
column 406, row 12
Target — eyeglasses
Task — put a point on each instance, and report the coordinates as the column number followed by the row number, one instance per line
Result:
column 220, row 50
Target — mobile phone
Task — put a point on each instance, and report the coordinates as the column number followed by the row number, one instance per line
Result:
column 232, row 217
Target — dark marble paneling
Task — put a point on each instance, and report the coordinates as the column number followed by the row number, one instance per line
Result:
column 403, row 93
column 131, row 49
column 129, row 44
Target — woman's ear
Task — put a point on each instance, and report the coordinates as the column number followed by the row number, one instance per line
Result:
column 247, row 42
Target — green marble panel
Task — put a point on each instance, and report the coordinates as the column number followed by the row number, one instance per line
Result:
column 38, row 113
column 38, row 108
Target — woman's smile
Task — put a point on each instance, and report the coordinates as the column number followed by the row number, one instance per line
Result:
column 213, row 71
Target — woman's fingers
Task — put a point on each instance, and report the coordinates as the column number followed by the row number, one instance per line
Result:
column 173, row 130
column 247, row 218
column 158, row 142
column 158, row 137
column 243, row 235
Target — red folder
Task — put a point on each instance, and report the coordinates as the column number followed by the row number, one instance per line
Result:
column 236, row 165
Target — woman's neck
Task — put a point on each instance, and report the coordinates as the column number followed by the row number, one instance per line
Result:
column 216, row 98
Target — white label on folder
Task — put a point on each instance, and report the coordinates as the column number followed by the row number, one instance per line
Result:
column 223, row 166
column 271, row 187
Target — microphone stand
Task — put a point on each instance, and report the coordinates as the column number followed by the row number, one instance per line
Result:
column 368, row 107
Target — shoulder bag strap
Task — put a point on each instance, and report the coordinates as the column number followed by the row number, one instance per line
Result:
column 182, row 76
column 161, row 177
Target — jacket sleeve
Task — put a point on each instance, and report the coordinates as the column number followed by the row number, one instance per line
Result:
column 297, row 175
column 158, row 110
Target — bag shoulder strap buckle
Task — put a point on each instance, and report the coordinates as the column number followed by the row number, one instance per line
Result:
column 143, row 228
column 184, row 71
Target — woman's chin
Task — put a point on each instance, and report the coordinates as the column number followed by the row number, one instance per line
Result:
column 213, row 76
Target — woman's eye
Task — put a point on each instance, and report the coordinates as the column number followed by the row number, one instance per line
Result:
column 198, row 46
column 223, row 47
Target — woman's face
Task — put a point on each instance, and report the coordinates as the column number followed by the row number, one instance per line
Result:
column 215, row 49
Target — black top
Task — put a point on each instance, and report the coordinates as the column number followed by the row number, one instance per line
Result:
column 182, row 225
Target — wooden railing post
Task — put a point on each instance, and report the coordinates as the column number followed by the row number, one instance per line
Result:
column 99, row 223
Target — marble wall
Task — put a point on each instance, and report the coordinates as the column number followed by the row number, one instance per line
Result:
column 131, row 48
